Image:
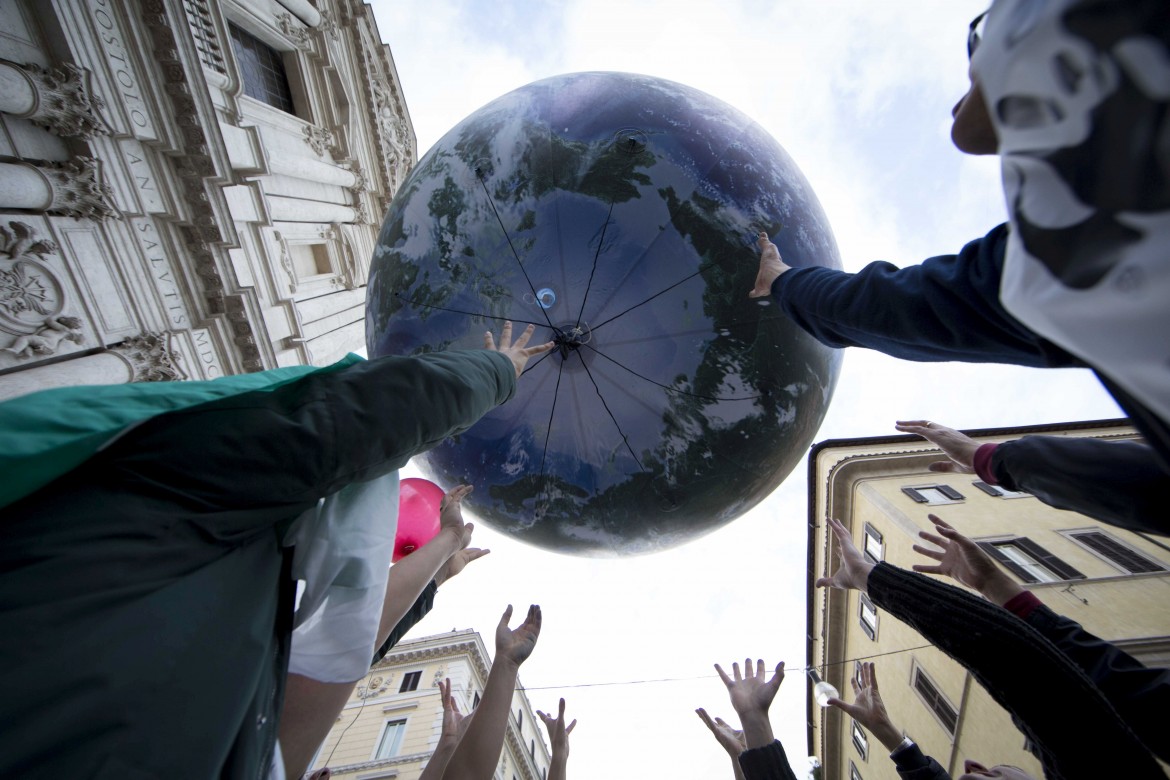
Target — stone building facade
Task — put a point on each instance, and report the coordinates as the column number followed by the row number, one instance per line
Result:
column 392, row 722
column 1114, row 582
column 189, row 188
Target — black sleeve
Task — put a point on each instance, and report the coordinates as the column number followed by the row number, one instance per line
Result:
column 1141, row 695
column 283, row 449
column 1120, row 483
column 946, row 308
column 766, row 763
column 422, row 605
column 1024, row 672
column 913, row 764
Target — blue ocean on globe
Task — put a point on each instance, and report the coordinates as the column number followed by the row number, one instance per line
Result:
column 618, row 213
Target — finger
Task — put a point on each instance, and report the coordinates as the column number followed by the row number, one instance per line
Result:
column 527, row 334
column 735, row 671
column 723, row 675
column 506, row 335
column 911, row 423
column 561, row 711
column 935, row 554
column 545, row 347
column 703, row 716
column 943, row 467
column 824, row 582
column 855, row 685
column 871, row 673
column 848, row 709
column 937, row 540
column 762, row 239
column 572, row 725
column 939, row 521
column 507, row 617
column 474, row 553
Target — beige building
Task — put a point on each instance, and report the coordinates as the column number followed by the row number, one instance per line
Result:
column 393, row 720
column 1114, row 582
column 189, row 188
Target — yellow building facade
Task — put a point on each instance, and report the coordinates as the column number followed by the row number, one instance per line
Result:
column 392, row 722
column 1114, row 582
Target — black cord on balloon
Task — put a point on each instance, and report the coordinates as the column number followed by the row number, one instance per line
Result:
column 548, row 430
column 668, row 387
column 515, row 254
column 468, row 313
column 702, row 268
column 597, row 254
column 625, row 439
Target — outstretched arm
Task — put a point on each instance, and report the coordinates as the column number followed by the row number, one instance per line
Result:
column 730, row 739
column 455, row 724
column 558, row 736
column 751, row 695
column 478, row 752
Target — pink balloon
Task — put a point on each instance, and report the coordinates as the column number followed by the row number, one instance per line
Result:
column 418, row 515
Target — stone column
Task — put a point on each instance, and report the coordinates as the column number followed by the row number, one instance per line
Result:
column 59, row 99
column 72, row 188
column 282, row 209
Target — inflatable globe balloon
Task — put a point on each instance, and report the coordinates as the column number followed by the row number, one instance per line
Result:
column 619, row 214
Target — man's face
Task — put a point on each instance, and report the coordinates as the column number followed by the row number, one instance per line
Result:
column 973, row 770
column 972, row 131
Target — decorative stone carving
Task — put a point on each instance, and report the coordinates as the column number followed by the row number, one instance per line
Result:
column 328, row 26
column 319, row 139
column 286, row 261
column 78, row 190
column 30, row 293
column 361, row 212
column 152, row 358
column 361, row 181
column 66, row 105
column 297, row 33
column 47, row 338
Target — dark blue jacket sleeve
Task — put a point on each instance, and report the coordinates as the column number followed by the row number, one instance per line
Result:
column 1140, row 695
column 1120, row 483
column 912, row 764
column 766, row 763
column 946, row 308
column 422, row 605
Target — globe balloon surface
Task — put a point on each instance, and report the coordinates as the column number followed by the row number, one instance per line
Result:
column 618, row 213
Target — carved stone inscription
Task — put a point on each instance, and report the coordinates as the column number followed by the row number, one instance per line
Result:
column 208, row 357
column 144, row 177
column 161, row 273
column 121, row 69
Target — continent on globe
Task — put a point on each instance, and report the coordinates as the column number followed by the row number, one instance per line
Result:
column 617, row 212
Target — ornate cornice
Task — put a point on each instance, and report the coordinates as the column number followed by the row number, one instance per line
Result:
column 203, row 233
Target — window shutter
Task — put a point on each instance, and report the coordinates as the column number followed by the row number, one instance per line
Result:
column 1129, row 560
column 915, row 496
column 988, row 489
column 1007, row 562
column 950, row 492
column 1058, row 567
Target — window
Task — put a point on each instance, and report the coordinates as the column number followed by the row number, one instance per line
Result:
column 933, row 494
column 391, row 739
column 853, row 773
column 873, row 544
column 410, row 682
column 309, row 260
column 857, row 672
column 1000, row 492
column 532, row 748
column 1029, row 561
column 1120, row 555
column 475, row 702
column 860, row 742
column 261, row 70
column 520, row 718
column 869, row 616
column 942, row 709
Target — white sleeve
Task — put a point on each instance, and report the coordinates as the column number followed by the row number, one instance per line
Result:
column 343, row 552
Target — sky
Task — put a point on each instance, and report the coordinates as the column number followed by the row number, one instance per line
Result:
column 860, row 95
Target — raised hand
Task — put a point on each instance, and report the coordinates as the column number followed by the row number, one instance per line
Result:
column 454, row 722
column 868, row 709
column 771, row 266
column 458, row 562
column 558, row 733
column 517, row 352
column 965, row 561
column 451, row 513
column 730, row 739
column 751, row 692
column 516, row 646
column 853, row 569
column 959, row 447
